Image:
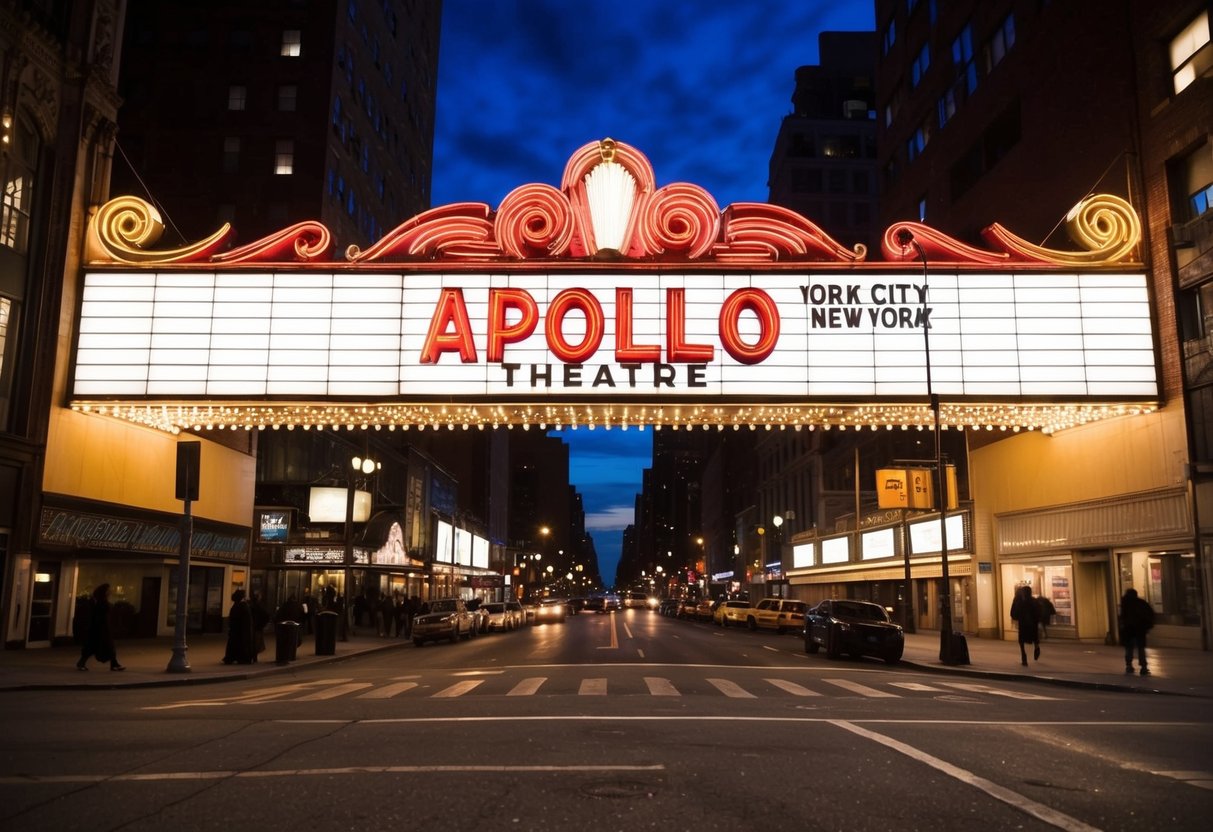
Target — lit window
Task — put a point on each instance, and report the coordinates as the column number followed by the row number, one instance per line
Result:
column 890, row 36
column 288, row 95
column 284, row 157
column 6, row 311
column 236, row 97
column 292, row 43
column 920, row 65
column 1189, row 53
column 19, row 169
column 1000, row 43
column 1201, row 200
column 231, row 154
column 922, row 209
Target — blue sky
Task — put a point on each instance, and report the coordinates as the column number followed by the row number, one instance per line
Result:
column 698, row 86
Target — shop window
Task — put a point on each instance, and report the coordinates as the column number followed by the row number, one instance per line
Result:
column 1191, row 54
column 1054, row 581
column 1167, row 581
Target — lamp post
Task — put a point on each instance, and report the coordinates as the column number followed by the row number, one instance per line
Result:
column 358, row 465
column 950, row 651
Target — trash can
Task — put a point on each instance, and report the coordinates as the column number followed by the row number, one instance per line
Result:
column 286, row 636
column 326, row 633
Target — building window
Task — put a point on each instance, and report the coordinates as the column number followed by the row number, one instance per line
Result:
column 236, row 97
column 1201, row 199
column 1000, row 43
column 1190, row 52
column 231, row 154
column 288, row 96
column 19, row 170
column 890, row 36
column 284, row 157
column 292, row 43
column 918, row 142
column 922, row 209
column 921, row 63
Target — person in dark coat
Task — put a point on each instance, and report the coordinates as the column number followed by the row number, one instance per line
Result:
column 1047, row 611
column 261, row 617
column 98, row 641
column 1136, row 619
column 239, row 632
column 1026, row 611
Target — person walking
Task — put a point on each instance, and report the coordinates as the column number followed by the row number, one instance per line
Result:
column 261, row 617
column 1047, row 611
column 1025, row 611
column 240, row 649
column 1136, row 619
column 98, row 641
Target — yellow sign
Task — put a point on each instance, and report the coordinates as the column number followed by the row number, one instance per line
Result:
column 912, row 487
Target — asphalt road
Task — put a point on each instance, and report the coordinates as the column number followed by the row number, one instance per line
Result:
column 625, row 721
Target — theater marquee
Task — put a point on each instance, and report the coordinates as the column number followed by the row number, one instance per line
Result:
column 612, row 302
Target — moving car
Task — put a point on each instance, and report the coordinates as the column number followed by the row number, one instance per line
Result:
column 778, row 614
column 634, row 600
column 442, row 618
column 731, row 613
column 857, row 628
column 551, row 609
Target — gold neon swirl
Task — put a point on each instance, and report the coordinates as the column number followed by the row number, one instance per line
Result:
column 123, row 229
column 1105, row 225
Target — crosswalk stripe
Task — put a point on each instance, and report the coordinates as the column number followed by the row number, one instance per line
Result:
column 593, row 687
column 917, row 686
column 333, row 692
column 661, row 687
column 527, row 687
column 1011, row 694
column 388, row 691
column 459, row 688
column 731, row 689
column 793, row 688
column 862, row 690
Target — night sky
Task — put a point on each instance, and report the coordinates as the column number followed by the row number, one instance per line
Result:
column 700, row 87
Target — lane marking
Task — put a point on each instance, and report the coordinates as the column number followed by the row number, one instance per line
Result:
column 527, row 687
column 627, row 630
column 388, row 691
column 332, row 693
column 459, row 689
column 304, row 772
column 793, row 688
column 592, row 687
column 614, row 645
column 661, row 687
column 973, row 687
column 731, row 689
column 917, row 686
column 862, row 690
column 639, row 652
column 1013, row 799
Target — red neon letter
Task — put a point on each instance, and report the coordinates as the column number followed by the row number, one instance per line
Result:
column 676, row 347
column 450, row 310
column 553, row 324
column 501, row 333
column 625, row 351
column 760, row 303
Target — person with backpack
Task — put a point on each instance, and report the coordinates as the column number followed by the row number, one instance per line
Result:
column 1047, row 611
column 1136, row 619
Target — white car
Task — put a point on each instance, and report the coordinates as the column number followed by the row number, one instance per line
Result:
column 504, row 615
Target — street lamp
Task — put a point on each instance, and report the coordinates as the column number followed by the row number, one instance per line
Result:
column 951, row 649
column 364, row 466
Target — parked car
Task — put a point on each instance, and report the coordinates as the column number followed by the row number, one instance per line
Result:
column 480, row 618
column 686, row 607
column 778, row 614
column 503, row 615
column 551, row 610
column 668, row 606
column 442, row 618
column 857, row 628
column 731, row 613
column 703, row 609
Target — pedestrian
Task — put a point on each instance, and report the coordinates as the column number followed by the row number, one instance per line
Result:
column 1047, row 611
column 98, row 641
column 261, row 617
column 401, row 614
column 387, row 615
column 1136, row 619
column 240, row 648
column 1025, row 611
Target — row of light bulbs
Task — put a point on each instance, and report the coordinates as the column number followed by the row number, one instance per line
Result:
column 176, row 418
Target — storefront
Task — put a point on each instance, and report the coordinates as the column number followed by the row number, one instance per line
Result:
column 83, row 544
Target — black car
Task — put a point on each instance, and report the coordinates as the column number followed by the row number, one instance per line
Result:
column 856, row 628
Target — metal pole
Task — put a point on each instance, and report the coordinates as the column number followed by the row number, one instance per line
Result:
column 179, row 663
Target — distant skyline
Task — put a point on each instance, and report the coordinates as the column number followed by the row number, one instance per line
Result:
column 701, row 88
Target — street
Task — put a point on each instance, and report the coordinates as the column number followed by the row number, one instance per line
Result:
column 620, row 721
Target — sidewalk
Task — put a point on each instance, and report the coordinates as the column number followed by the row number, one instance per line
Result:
column 1062, row 662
